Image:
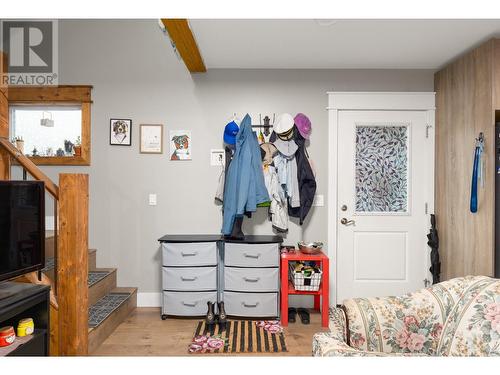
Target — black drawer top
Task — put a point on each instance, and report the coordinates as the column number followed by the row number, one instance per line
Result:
column 257, row 239
column 180, row 238
column 183, row 238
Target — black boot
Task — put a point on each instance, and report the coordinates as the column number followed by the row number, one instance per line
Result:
column 237, row 233
column 210, row 319
column 222, row 314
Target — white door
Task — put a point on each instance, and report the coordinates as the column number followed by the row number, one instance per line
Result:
column 383, row 194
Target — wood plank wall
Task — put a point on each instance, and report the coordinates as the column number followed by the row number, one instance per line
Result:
column 464, row 107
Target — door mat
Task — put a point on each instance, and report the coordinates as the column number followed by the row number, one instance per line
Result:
column 105, row 307
column 239, row 336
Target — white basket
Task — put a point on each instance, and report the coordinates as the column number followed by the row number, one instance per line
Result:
column 301, row 282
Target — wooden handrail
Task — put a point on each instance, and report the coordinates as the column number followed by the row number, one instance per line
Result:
column 30, row 167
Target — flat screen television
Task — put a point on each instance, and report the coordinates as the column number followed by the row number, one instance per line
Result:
column 22, row 227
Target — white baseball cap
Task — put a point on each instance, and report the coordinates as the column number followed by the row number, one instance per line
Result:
column 283, row 124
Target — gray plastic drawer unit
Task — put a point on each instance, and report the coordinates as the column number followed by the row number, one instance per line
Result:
column 190, row 278
column 187, row 303
column 251, row 279
column 252, row 255
column 189, row 254
column 251, row 304
column 197, row 269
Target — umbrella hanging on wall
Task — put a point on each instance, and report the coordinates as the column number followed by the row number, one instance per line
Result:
column 477, row 172
column 433, row 243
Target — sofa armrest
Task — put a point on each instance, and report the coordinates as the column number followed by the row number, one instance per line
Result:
column 334, row 343
column 328, row 344
column 338, row 323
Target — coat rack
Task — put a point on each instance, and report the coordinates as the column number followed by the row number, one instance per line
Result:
column 266, row 125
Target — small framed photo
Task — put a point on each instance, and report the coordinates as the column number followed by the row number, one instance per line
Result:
column 151, row 139
column 120, row 132
column 180, row 144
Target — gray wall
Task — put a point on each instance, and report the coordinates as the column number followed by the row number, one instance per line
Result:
column 136, row 75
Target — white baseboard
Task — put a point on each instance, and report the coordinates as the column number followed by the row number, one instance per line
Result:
column 148, row 299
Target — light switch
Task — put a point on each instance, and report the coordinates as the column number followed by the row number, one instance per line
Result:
column 152, row 199
column 319, row 200
column 217, row 158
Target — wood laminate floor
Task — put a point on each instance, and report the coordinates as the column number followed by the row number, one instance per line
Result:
column 143, row 333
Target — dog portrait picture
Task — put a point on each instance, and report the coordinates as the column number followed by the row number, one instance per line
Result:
column 151, row 139
column 120, row 132
column 180, row 145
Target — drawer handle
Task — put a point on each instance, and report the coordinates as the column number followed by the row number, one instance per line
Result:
column 188, row 278
column 189, row 254
column 251, row 280
column 190, row 304
column 253, row 256
column 250, row 304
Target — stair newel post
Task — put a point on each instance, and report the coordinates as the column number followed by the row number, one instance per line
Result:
column 72, row 264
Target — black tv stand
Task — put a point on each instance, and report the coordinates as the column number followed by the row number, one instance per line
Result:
column 19, row 301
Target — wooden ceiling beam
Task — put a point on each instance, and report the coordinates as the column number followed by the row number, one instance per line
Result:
column 183, row 39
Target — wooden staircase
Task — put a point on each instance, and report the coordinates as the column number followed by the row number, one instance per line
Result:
column 101, row 284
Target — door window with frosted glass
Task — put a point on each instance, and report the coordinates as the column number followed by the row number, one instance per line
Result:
column 381, row 168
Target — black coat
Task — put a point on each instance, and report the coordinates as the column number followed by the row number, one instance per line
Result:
column 307, row 182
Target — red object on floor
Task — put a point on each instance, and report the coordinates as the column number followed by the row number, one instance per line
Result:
column 321, row 297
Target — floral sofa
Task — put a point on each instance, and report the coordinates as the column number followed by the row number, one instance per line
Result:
column 458, row 317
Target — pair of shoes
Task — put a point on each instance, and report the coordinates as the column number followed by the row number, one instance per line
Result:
column 303, row 313
column 212, row 318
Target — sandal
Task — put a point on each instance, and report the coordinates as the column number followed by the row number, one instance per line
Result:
column 292, row 313
column 304, row 315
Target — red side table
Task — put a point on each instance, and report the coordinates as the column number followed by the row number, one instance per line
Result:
column 287, row 287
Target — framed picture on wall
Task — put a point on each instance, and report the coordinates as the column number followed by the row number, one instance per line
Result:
column 151, row 139
column 120, row 132
column 180, row 144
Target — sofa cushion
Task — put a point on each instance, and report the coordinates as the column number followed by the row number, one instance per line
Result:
column 473, row 325
column 411, row 323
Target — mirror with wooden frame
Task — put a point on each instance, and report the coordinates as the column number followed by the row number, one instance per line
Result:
column 51, row 125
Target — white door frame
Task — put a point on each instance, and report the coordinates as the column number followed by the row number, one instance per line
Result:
column 389, row 101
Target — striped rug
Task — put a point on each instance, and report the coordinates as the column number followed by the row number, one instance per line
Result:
column 243, row 336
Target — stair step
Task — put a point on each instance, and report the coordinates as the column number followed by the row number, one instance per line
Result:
column 50, row 261
column 100, row 282
column 92, row 259
column 107, row 313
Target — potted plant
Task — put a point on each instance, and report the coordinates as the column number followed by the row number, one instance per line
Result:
column 19, row 142
column 77, row 147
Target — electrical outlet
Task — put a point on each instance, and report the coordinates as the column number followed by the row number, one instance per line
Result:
column 152, row 199
column 217, row 158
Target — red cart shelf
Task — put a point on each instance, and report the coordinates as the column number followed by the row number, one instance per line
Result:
column 320, row 297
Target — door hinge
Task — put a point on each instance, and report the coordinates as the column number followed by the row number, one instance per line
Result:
column 427, row 127
column 426, row 208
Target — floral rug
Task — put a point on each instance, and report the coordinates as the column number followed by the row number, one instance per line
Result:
column 239, row 336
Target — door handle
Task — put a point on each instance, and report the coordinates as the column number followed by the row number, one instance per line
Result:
column 250, row 304
column 253, row 256
column 189, row 254
column 189, row 304
column 188, row 278
column 346, row 222
column 251, row 280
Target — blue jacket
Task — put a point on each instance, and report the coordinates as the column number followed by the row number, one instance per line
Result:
column 245, row 187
